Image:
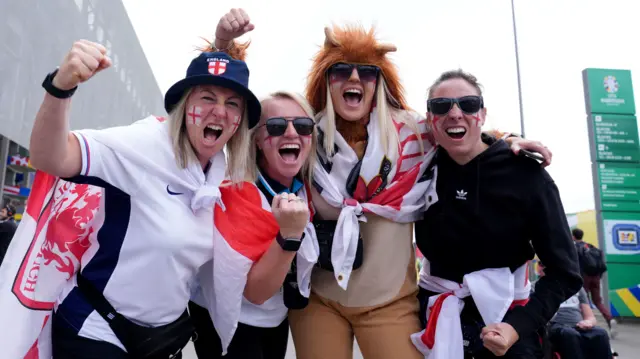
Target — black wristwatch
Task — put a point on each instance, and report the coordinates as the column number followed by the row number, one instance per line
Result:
column 54, row 91
column 289, row 244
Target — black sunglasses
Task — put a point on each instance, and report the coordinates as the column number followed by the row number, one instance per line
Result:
column 468, row 104
column 342, row 72
column 277, row 126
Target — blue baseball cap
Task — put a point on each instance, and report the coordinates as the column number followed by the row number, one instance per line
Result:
column 219, row 69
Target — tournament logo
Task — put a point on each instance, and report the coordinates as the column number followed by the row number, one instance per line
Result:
column 611, row 84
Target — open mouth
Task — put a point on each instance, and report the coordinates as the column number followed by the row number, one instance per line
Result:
column 289, row 153
column 212, row 132
column 456, row 133
column 352, row 97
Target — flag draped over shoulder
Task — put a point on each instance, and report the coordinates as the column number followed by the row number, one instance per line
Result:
column 396, row 186
column 59, row 225
column 243, row 232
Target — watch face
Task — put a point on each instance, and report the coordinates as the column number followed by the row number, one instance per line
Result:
column 292, row 244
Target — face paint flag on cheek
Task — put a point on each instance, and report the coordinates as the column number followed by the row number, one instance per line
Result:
column 268, row 142
column 435, row 120
column 478, row 120
column 194, row 116
column 236, row 123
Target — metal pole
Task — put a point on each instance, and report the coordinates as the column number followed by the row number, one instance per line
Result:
column 515, row 38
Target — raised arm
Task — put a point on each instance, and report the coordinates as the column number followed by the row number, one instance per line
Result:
column 231, row 25
column 53, row 148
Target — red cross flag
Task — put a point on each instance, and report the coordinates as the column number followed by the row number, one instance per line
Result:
column 217, row 67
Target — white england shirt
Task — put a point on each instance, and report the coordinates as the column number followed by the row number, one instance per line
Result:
column 152, row 238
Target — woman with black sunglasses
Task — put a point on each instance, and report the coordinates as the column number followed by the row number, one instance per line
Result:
column 279, row 154
column 494, row 212
column 282, row 147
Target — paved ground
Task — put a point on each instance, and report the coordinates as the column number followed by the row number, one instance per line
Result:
column 627, row 343
column 291, row 354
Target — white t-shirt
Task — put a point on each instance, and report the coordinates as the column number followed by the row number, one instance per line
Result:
column 269, row 314
column 151, row 242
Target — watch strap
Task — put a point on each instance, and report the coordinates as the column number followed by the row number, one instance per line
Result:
column 289, row 244
column 54, row 91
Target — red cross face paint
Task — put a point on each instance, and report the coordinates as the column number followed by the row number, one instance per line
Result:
column 194, row 115
column 457, row 132
column 212, row 116
column 282, row 157
column 236, row 123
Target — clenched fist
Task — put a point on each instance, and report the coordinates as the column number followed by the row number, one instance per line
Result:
column 84, row 60
column 499, row 338
column 292, row 214
column 233, row 24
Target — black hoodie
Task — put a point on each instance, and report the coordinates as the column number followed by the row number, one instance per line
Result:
column 497, row 211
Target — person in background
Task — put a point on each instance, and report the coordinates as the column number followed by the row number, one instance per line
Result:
column 573, row 331
column 7, row 228
column 592, row 266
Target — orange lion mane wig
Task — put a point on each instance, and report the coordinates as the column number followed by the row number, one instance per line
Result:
column 238, row 51
column 351, row 44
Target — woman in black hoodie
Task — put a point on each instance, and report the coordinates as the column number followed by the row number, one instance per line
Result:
column 494, row 211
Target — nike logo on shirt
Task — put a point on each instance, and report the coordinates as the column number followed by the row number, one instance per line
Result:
column 173, row 193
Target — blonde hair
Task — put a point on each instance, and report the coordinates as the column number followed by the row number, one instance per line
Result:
column 387, row 111
column 306, row 172
column 238, row 151
column 183, row 150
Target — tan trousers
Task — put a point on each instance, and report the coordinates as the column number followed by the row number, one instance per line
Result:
column 325, row 329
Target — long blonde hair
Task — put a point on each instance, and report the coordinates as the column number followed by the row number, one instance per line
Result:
column 306, row 172
column 185, row 154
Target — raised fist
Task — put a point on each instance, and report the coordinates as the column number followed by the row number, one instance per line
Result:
column 292, row 214
column 84, row 60
column 233, row 24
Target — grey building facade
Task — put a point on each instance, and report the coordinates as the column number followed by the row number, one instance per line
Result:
column 35, row 35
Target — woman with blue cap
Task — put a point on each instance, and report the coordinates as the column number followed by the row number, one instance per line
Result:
column 161, row 179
